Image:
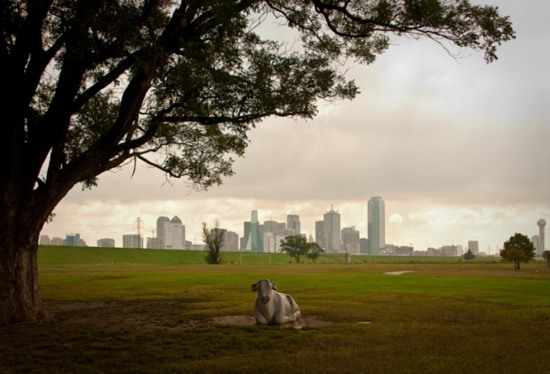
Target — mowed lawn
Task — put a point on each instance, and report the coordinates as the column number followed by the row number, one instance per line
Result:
column 147, row 311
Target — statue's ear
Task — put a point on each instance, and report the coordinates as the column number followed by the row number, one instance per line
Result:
column 255, row 287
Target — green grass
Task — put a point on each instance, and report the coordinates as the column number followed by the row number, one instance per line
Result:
column 150, row 311
column 62, row 255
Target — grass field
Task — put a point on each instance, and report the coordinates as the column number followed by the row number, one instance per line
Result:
column 166, row 311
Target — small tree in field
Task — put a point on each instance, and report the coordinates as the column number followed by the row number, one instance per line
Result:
column 469, row 255
column 295, row 246
column 519, row 248
column 314, row 251
column 546, row 255
column 213, row 238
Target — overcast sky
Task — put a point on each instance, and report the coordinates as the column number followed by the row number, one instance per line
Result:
column 459, row 150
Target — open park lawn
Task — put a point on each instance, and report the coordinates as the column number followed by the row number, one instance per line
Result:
column 455, row 317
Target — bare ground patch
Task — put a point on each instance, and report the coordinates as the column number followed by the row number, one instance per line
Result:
column 150, row 315
column 399, row 272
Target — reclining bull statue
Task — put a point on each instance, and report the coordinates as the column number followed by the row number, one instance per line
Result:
column 272, row 307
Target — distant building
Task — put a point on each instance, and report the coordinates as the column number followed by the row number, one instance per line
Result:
column 473, row 246
column 364, row 244
column 154, row 243
column 132, row 241
column 272, row 242
column 253, row 241
column 451, row 250
column 350, row 238
column 174, row 234
column 331, row 231
column 72, row 240
column 319, row 233
column 376, row 224
column 161, row 221
column 275, row 227
column 230, row 241
column 106, row 243
column 56, row 240
column 44, row 240
column 536, row 242
column 293, row 222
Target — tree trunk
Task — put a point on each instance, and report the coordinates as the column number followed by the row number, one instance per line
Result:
column 20, row 299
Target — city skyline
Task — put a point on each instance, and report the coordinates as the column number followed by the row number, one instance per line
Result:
column 459, row 150
column 253, row 236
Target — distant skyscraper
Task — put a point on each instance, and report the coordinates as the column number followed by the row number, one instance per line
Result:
column 254, row 240
column 473, row 246
column 541, row 223
column 293, row 222
column 319, row 234
column 160, row 228
column 350, row 239
column 230, row 241
column 331, row 231
column 174, row 234
column 377, row 224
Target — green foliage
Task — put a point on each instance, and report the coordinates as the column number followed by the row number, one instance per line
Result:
column 213, row 238
column 297, row 246
column 469, row 255
column 519, row 248
column 178, row 87
column 546, row 255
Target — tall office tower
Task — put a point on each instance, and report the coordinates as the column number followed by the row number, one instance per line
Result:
column 293, row 222
column 541, row 223
column 319, row 234
column 473, row 246
column 377, row 224
column 350, row 240
column 161, row 221
column 174, row 234
column 254, row 240
column 230, row 241
column 273, row 226
column 331, row 231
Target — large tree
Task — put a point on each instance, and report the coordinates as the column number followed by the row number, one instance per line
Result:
column 519, row 248
column 297, row 246
column 89, row 85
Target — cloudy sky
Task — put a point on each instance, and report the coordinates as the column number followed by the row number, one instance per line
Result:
column 458, row 149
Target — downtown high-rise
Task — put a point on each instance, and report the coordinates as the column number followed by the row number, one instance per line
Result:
column 376, row 224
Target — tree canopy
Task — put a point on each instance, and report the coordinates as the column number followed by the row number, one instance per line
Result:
column 213, row 239
column 90, row 85
column 519, row 248
column 297, row 246
column 546, row 255
column 469, row 255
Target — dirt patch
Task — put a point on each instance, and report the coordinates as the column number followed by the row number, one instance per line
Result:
column 305, row 322
column 398, row 272
column 142, row 316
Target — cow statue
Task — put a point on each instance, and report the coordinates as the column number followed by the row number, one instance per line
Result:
column 272, row 307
